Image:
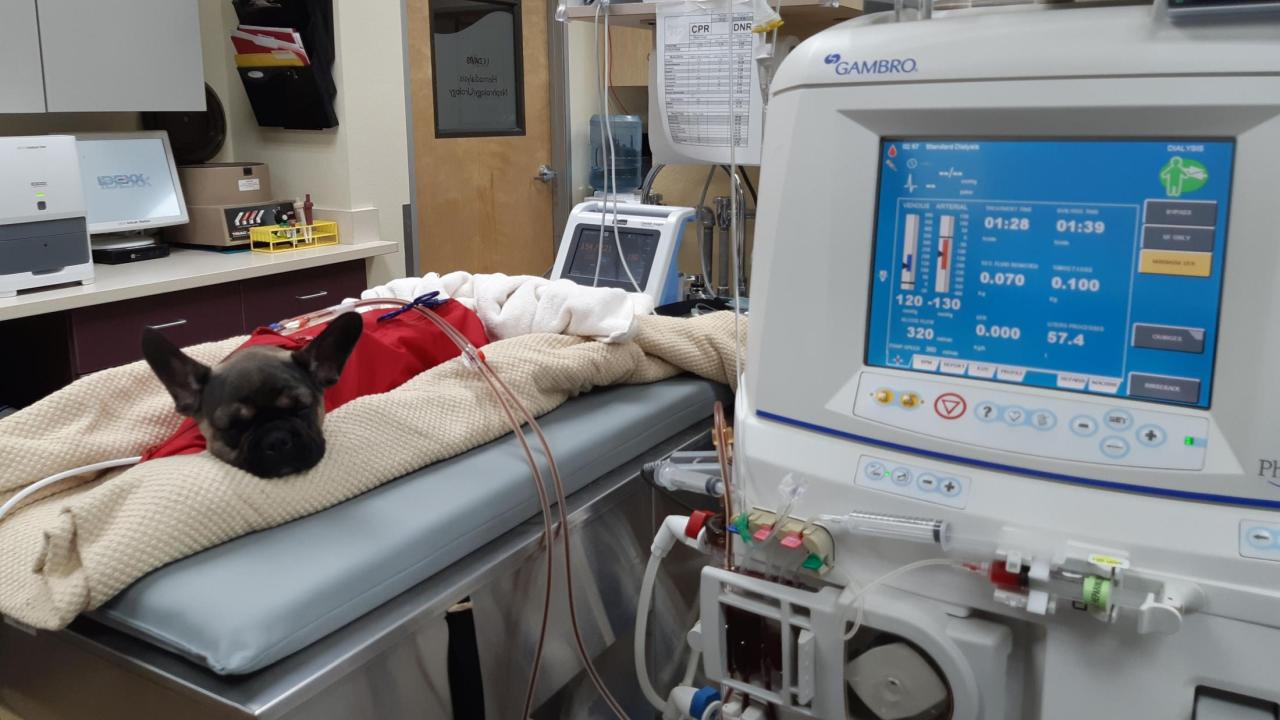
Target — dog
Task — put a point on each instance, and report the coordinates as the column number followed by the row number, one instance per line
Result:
column 261, row 409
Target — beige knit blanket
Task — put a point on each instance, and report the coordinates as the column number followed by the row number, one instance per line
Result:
column 87, row 539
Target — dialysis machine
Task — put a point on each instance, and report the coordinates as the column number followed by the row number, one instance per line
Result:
column 1015, row 279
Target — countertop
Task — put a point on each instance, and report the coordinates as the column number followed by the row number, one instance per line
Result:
column 182, row 270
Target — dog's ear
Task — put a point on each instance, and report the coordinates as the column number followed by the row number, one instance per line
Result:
column 325, row 356
column 183, row 377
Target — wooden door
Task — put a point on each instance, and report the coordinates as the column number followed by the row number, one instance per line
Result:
column 480, row 204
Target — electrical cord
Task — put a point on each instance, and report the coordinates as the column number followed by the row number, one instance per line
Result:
column 612, row 167
column 613, row 90
column 604, row 150
column 702, row 238
column 646, row 187
column 746, row 180
column 39, row 485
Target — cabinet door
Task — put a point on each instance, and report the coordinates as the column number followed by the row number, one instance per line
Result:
column 21, row 82
column 108, row 335
column 121, row 55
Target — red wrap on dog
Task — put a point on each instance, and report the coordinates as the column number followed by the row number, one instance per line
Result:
column 387, row 354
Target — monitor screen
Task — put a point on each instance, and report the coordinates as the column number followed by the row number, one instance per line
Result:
column 128, row 184
column 639, row 246
column 1084, row 265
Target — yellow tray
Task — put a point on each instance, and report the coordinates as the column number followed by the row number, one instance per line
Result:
column 275, row 239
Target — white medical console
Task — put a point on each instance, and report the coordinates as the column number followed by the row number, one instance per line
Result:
column 648, row 235
column 44, row 238
column 1044, row 243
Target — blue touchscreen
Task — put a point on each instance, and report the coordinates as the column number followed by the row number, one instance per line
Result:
column 1084, row 265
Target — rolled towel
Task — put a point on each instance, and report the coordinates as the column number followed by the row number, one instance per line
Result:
column 512, row 305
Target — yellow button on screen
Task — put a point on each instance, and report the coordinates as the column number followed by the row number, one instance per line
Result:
column 1173, row 262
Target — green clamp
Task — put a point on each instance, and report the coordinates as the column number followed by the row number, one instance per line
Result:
column 1097, row 592
column 743, row 523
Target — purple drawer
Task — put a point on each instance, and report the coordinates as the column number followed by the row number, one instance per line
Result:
column 277, row 297
column 104, row 336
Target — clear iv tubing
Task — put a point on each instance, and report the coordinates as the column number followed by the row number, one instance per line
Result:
column 857, row 596
column 475, row 358
column 927, row 531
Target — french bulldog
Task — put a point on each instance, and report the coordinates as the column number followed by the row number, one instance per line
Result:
column 262, row 407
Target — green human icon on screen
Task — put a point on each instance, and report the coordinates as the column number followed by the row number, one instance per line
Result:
column 1181, row 175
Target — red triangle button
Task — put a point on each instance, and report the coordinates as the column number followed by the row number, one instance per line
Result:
column 950, row 406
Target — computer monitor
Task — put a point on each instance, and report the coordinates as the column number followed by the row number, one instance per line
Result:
column 130, row 182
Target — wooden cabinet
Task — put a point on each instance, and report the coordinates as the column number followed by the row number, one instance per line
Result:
column 107, row 55
column 21, row 83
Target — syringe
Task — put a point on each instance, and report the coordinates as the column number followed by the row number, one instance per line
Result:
column 927, row 531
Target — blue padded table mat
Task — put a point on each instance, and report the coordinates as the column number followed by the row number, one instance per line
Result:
column 243, row 605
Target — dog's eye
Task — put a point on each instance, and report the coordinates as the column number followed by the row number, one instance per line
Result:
column 294, row 400
column 236, row 414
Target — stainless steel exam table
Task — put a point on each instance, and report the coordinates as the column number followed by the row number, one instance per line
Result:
column 343, row 614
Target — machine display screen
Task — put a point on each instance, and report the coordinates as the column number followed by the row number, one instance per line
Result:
column 640, row 248
column 127, row 181
column 1084, row 265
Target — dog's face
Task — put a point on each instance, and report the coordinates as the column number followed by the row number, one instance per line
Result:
column 262, row 407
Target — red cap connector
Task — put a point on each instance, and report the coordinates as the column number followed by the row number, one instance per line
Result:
column 697, row 520
column 1002, row 578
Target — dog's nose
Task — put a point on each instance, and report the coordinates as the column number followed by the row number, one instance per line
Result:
column 278, row 442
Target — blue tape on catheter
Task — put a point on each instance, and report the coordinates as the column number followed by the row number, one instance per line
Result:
column 430, row 300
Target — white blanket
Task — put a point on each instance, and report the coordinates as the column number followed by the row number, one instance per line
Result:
column 512, row 305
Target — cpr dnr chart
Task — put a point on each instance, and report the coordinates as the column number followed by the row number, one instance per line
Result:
column 1086, row 265
column 707, row 81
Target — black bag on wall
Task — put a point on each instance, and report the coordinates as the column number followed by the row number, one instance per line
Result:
column 296, row 98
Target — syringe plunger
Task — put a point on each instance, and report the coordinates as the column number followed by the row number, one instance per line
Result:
column 898, row 527
column 928, row 531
